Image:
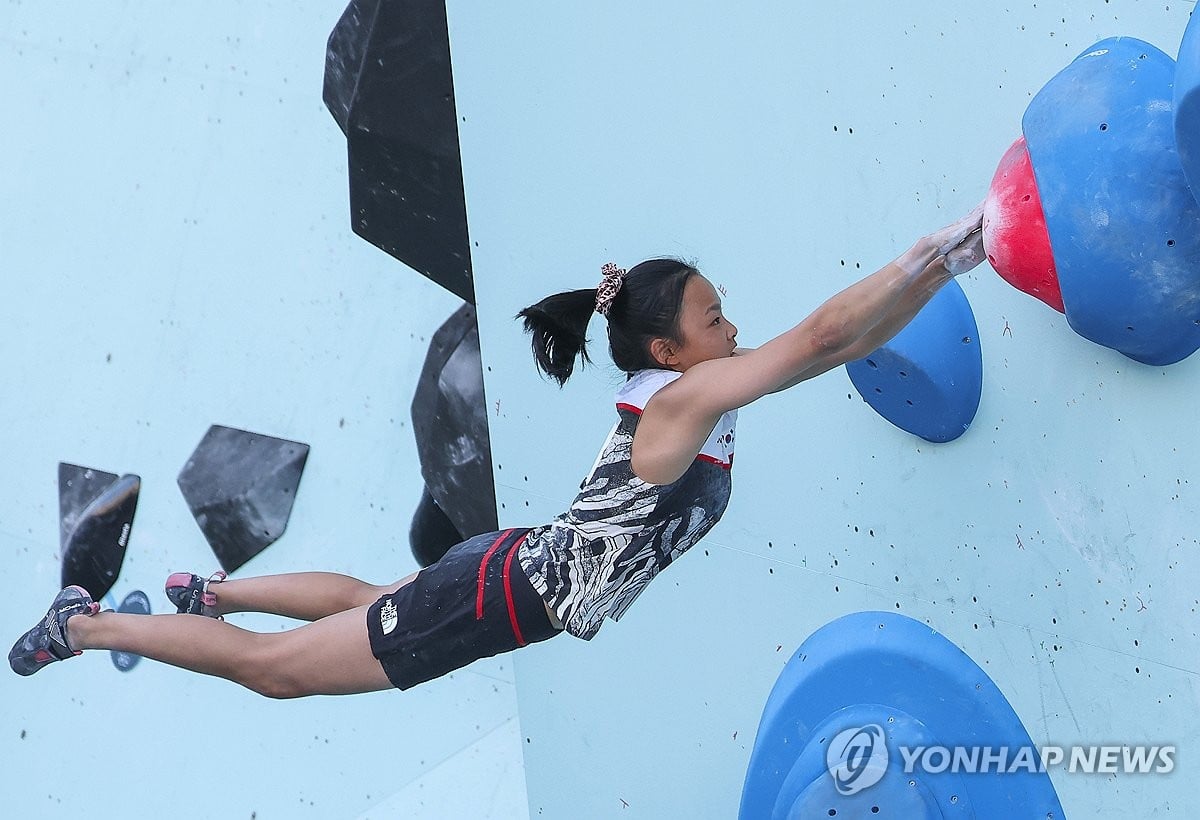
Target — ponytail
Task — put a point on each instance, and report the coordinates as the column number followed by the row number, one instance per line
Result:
column 558, row 325
column 646, row 307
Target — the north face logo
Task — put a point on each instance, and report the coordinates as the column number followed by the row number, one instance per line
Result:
column 388, row 617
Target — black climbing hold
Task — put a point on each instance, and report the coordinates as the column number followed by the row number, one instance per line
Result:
column 240, row 487
column 96, row 511
column 77, row 487
column 449, row 416
column 432, row 533
column 137, row 603
column 388, row 84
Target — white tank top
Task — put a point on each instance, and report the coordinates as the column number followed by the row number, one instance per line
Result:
column 620, row 532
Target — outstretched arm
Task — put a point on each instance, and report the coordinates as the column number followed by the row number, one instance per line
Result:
column 678, row 418
column 960, row 259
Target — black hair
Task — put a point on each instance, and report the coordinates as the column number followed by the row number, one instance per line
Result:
column 646, row 307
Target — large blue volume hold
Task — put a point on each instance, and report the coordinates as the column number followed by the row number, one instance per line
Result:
column 928, row 379
column 889, row 682
column 1123, row 225
column 1187, row 105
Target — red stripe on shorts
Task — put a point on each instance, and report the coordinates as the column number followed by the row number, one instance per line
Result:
column 482, row 569
column 512, row 607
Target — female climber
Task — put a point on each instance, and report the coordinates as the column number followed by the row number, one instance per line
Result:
column 660, row 483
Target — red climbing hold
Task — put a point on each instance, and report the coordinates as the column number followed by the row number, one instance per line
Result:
column 1014, row 229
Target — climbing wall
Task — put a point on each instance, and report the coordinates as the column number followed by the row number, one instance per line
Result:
column 184, row 294
column 789, row 149
column 200, row 236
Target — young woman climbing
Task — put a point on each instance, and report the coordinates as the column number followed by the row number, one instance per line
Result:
column 661, row 481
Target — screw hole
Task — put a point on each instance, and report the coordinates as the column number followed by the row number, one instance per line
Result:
column 871, row 363
column 1103, row 126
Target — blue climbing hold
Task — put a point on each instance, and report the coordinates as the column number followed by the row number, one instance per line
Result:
column 840, row 730
column 928, row 379
column 1187, row 105
column 138, row 603
column 1123, row 225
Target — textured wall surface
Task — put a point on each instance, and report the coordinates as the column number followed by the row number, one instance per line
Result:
column 177, row 253
column 790, row 148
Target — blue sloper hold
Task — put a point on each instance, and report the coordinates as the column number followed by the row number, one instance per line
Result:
column 1123, row 225
column 1187, row 105
column 858, row 690
column 928, row 379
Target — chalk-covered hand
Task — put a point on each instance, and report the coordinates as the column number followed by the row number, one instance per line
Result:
column 966, row 254
column 955, row 234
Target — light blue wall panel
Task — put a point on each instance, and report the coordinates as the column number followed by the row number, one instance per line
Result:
column 176, row 253
column 789, row 149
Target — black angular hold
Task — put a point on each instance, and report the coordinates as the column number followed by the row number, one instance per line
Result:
column 431, row 533
column 449, row 415
column 138, row 603
column 389, row 85
column 96, row 511
column 240, row 487
column 77, row 487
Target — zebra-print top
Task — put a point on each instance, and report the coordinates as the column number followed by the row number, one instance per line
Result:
column 597, row 557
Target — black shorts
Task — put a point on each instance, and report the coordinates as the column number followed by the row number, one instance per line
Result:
column 474, row 603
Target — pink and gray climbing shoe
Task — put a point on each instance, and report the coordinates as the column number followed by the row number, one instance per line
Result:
column 191, row 594
column 47, row 642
